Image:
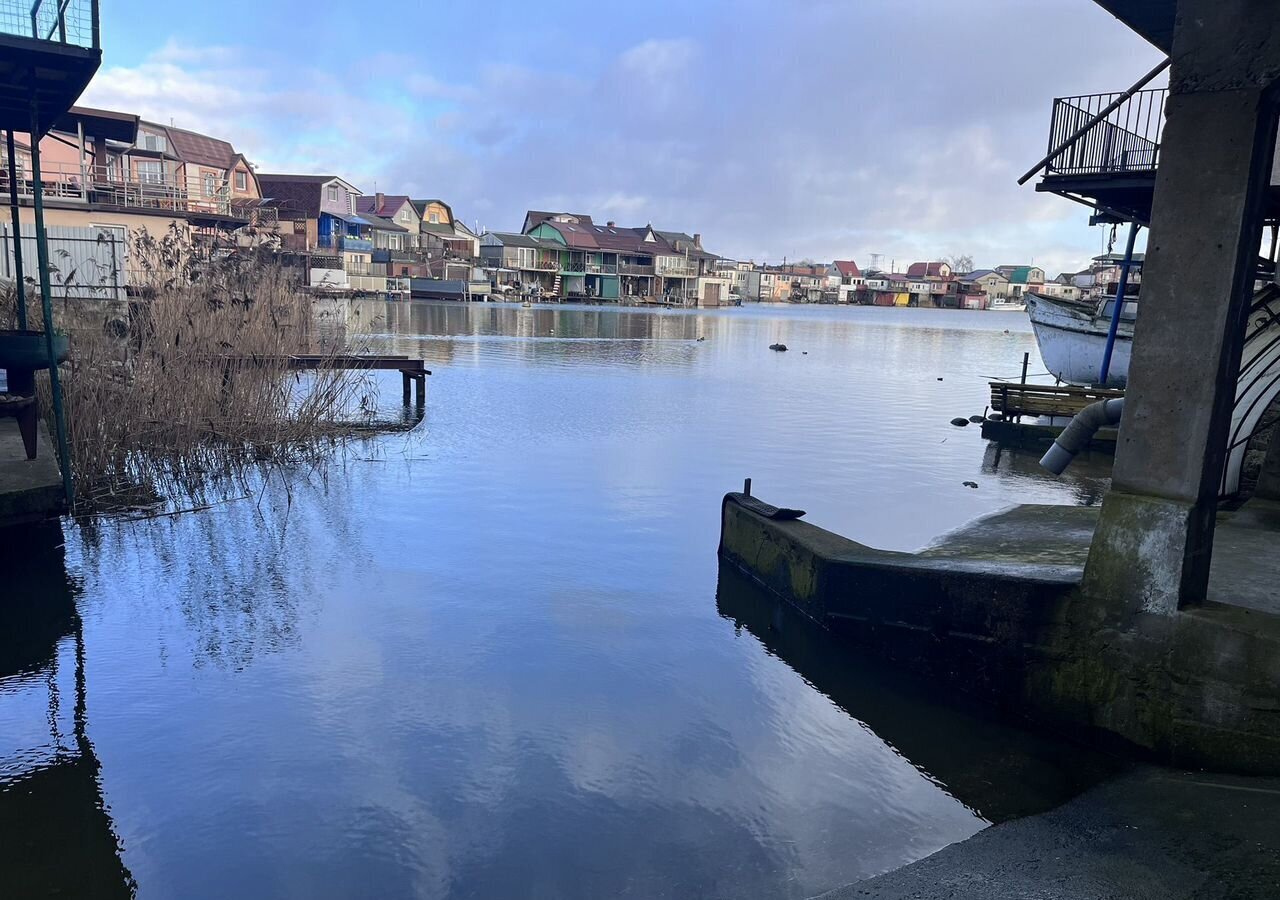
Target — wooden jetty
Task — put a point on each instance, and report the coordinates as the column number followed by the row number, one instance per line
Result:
column 413, row 372
column 1018, row 400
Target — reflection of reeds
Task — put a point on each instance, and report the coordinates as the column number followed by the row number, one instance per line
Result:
column 192, row 384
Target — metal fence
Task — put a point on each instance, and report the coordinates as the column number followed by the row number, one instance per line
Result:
column 72, row 22
column 1126, row 140
column 84, row 263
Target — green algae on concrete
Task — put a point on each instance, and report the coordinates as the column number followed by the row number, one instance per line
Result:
column 30, row 489
column 996, row 609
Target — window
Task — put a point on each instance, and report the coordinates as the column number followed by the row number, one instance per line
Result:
column 210, row 184
column 148, row 140
column 333, row 193
column 150, row 171
column 242, row 180
column 434, row 218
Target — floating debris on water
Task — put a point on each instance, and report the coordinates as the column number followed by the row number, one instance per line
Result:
column 779, row 347
column 960, row 421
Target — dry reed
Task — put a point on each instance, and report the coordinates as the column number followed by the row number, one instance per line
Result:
column 190, row 387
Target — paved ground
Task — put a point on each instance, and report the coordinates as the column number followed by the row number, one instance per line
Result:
column 1246, row 567
column 1149, row 835
column 28, row 488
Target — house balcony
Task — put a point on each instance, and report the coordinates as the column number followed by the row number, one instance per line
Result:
column 601, row 269
column 337, row 243
column 1104, row 151
column 106, row 187
column 678, row 271
column 633, row 269
column 540, row 265
column 49, row 50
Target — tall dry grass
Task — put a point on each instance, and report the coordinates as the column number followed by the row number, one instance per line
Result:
column 191, row 387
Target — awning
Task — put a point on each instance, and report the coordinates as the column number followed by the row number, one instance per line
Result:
column 349, row 218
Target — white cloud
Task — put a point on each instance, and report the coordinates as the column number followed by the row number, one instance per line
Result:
column 766, row 134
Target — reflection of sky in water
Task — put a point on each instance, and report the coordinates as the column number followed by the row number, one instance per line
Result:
column 485, row 659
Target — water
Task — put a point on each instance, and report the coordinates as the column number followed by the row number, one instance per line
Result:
column 497, row 658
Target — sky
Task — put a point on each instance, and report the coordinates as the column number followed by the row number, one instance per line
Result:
column 797, row 129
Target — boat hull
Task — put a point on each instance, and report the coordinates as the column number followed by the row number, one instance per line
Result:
column 1072, row 343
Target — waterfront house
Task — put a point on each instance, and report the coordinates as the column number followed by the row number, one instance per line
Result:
column 929, row 269
column 318, row 220
column 320, row 210
column 920, row 290
column 1060, row 290
column 452, row 250
column 1106, row 274
column 609, row 261
column 109, row 169
column 991, row 283
column 527, row 263
column 396, row 207
column 1022, row 279
column 707, row 287
column 844, row 279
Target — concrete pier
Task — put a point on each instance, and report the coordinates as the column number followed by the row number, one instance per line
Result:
column 30, row 489
column 996, row 609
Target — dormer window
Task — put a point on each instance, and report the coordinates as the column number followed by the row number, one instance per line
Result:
column 150, row 140
column 333, row 193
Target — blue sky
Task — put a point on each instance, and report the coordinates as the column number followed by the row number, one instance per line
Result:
column 802, row 129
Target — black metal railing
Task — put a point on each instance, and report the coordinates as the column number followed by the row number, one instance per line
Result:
column 73, row 22
column 1125, row 140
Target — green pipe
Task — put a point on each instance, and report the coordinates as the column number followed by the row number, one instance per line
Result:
column 46, row 305
column 17, row 232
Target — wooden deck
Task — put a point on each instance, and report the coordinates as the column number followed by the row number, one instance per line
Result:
column 413, row 372
column 1014, row 400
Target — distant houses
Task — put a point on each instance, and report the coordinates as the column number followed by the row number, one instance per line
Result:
column 114, row 173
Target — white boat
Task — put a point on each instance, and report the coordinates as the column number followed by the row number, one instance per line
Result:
column 1007, row 304
column 1073, row 337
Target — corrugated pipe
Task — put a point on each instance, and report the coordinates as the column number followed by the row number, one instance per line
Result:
column 1080, row 431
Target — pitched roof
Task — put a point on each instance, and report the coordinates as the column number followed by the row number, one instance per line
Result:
column 917, row 269
column 421, row 207
column 847, row 268
column 391, row 204
column 511, row 239
column 193, row 147
column 382, row 223
column 300, row 192
column 979, row 273
column 1021, row 275
column 535, row 217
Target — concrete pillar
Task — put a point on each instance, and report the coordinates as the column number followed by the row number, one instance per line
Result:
column 1155, row 534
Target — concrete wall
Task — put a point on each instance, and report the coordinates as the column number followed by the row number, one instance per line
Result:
column 1191, row 690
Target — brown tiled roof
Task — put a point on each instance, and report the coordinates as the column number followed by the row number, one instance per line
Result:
column 847, row 268
column 390, row 204
column 536, row 217
column 918, row 269
column 193, row 147
column 299, row 192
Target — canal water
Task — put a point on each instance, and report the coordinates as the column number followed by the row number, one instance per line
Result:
column 495, row 657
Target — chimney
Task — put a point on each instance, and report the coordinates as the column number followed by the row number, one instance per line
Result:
column 697, row 240
column 378, row 199
column 611, row 223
